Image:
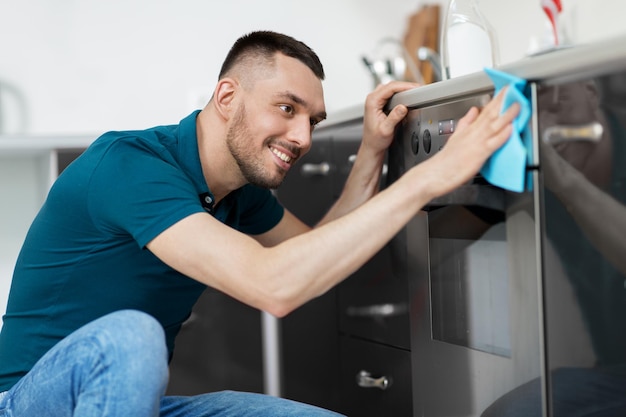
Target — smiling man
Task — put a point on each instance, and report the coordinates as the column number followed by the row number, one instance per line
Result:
column 143, row 221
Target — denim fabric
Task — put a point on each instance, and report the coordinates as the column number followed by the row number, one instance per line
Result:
column 238, row 404
column 117, row 366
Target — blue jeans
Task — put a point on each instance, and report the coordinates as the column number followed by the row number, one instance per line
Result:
column 117, row 366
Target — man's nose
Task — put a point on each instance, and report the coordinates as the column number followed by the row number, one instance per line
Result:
column 300, row 133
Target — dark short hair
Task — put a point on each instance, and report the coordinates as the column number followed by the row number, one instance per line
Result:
column 265, row 44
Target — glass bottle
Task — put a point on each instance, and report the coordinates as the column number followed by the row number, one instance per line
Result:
column 468, row 42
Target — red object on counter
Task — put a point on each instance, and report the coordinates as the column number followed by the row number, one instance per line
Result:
column 552, row 8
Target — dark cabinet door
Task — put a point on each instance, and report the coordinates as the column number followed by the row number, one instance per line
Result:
column 373, row 302
column 375, row 379
column 218, row 348
column 309, row 348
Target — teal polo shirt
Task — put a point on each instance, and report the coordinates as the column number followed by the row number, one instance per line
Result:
column 84, row 255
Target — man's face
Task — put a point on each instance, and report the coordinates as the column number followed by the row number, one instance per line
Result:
column 273, row 122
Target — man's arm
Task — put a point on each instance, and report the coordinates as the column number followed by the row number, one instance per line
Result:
column 279, row 278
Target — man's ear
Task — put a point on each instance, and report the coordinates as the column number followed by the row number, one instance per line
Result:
column 226, row 93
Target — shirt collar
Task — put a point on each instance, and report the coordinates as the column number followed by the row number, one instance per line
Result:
column 190, row 158
column 190, row 161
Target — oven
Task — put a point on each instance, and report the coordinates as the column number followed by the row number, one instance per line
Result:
column 518, row 300
column 472, row 271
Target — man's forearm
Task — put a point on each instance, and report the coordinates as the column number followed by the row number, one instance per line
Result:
column 362, row 184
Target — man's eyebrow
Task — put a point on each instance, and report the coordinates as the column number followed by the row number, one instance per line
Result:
column 300, row 101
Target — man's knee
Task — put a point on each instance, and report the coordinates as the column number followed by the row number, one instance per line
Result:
column 134, row 343
column 133, row 331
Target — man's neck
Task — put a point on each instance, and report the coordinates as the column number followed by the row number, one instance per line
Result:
column 220, row 170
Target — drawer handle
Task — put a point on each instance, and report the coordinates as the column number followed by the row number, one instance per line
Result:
column 378, row 311
column 365, row 380
column 309, row 170
column 352, row 160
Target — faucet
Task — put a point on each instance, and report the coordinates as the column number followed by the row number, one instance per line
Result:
column 427, row 54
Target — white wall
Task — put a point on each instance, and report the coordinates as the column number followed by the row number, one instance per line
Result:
column 92, row 65
column 86, row 66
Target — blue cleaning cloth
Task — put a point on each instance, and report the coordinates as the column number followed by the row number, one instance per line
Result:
column 506, row 168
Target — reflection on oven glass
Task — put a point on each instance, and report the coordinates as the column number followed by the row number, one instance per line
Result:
column 582, row 148
column 470, row 290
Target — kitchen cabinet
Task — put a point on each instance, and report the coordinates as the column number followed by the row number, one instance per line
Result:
column 218, row 348
column 362, row 324
column 309, row 338
column 387, row 372
column 373, row 313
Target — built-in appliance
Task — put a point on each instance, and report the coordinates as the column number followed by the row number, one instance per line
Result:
column 518, row 300
column 473, row 278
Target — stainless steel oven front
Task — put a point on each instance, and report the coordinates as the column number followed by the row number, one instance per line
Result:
column 473, row 273
column 518, row 301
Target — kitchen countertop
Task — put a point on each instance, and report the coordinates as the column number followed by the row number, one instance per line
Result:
column 39, row 144
column 558, row 65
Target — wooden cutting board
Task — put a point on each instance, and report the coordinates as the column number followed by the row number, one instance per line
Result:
column 423, row 30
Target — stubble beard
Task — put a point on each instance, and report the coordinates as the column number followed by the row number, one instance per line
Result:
column 249, row 161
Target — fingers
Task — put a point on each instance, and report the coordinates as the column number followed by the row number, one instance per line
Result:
column 491, row 123
column 378, row 127
column 486, row 129
column 394, row 117
column 468, row 119
column 377, row 99
column 389, row 89
column 500, row 126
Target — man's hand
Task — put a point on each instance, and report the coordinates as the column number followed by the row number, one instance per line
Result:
column 378, row 127
column 478, row 135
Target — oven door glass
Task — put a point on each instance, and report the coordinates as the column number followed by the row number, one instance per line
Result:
column 469, row 279
column 582, row 126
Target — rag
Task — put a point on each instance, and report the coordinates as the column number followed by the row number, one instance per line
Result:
column 506, row 168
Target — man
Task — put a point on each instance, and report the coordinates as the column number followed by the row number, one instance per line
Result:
column 137, row 227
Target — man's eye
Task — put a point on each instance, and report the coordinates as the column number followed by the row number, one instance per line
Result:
column 286, row 108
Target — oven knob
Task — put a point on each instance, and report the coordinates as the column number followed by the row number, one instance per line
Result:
column 415, row 143
column 427, row 141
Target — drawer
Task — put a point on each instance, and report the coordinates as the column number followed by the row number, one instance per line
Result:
column 383, row 364
column 374, row 301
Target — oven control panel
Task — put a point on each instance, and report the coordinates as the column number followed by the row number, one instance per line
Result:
column 426, row 130
column 423, row 133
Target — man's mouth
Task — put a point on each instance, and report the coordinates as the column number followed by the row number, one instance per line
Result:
column 283, row 157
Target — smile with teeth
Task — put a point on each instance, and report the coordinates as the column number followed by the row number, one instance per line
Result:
column 281, row 155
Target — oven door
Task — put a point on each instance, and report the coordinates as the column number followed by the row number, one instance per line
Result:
column 474, row 284
column 475, row 308
column 582, row 126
